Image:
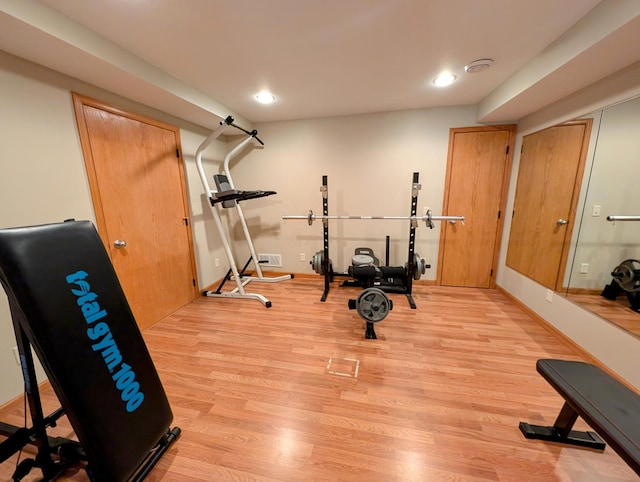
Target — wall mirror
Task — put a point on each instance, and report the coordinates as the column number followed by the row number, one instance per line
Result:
column 607, row 234
column 576, row 219
column 552, row 166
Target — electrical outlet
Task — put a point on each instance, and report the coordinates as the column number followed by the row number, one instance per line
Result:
column 584, row 268
column 303, row 257
column 217, row 262
column 549, row 296
column 16, row 354
column 596, row 211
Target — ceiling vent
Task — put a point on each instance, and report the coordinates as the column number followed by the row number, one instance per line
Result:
column 478, row 66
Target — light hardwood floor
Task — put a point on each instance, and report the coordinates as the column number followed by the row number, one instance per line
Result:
column 437, row 397
column 617, row 311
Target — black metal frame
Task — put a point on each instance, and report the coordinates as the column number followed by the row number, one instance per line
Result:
column 329, row 274
column 55, row 454
column 561, row 431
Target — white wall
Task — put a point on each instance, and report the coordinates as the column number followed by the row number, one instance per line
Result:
column 369, row 161
column 43, row 178
column 614, row 347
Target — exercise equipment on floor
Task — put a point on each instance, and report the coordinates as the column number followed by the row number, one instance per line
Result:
column 626, row 279
column 366, row 271
column 413, row 269
column 428, row 218
column 605, row 404
column 67, row 306
column 227, row 196
column 373, row 305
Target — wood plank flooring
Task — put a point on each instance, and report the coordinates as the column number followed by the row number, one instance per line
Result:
column 617, row 311
column 272, row 394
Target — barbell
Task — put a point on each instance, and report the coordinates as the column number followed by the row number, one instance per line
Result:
column 428, row 218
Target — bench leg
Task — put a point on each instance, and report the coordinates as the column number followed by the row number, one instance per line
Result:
column 566, row 418
column 561, row 431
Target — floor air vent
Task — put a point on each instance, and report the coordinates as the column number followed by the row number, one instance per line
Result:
column 270, row 259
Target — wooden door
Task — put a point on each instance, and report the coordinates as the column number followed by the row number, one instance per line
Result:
column 478, row 167
column 137, row 184
column 549, row 177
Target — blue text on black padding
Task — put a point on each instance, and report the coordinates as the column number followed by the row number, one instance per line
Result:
column 100, row 334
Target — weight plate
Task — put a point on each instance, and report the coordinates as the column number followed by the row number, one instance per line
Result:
column 361, row 259
column 373, row 305
column 317, row 262
column 627, row 275
column 419, row 266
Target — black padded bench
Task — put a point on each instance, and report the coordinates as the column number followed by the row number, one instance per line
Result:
column 609, row 407
column 67, row 306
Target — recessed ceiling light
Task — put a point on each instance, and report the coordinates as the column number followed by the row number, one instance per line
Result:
column 444, row 79
column 478, row 65
column 265, row 97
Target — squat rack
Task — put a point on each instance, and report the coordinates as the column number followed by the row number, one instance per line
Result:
column 228, row 196
column 327, row 269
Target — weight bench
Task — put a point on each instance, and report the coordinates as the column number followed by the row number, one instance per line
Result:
column 67, row 306
column 609, row 407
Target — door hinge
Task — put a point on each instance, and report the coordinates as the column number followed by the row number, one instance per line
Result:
column 186, row 221
column 521, row 148
column 491, row 274
column 507, row 150
column 513, row 214
column 499, row 214
column 193, row 281
column 178, row 153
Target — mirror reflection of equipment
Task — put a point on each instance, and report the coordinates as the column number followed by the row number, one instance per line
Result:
column 626, row 278
column 610, row 189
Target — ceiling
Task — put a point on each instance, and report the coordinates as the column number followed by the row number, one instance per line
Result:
column 204, row 59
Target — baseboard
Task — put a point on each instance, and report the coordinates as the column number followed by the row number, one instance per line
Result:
column 549, row 327
column 583, row 291
column 18, row 402
column 564, row 338
column 306, row 276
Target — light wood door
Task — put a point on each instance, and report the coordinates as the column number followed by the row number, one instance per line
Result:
column 477, row 175
column 137, row 184
column 551, row 169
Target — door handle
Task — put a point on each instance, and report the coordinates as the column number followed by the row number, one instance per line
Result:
column 561, row 222
column 119, row 244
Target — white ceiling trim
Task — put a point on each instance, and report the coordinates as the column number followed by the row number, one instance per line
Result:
column 602, row 42
column 79, row 52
